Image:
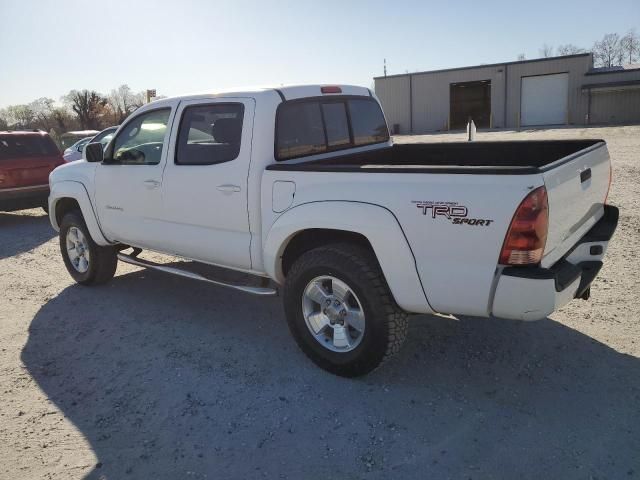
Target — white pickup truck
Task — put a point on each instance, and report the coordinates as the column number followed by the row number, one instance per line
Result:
column 303, row 187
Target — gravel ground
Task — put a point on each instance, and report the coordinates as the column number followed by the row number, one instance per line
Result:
column 153, row 376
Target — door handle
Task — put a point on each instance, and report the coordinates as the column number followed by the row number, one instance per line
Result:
column 228, row 188
column 151, row 183
column 585, row 175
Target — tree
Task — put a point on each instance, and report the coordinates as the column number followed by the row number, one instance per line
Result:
column 569, row 49
column 4, row 125
column 63, row 120
column 546, row 51
column 122, row 101
column 42, row 109
column 20, row 116
column 608, row 51
column 88, row 105
column 521, row 57
column 630, row 46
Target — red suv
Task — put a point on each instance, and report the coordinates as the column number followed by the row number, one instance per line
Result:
column 26, row 159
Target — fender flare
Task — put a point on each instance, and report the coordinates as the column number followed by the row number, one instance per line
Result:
column 78, row 192
column 376, row 223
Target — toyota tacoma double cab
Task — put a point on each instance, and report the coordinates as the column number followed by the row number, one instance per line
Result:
column 303, row 188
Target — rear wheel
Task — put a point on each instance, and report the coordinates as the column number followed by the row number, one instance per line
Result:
column 340, row 310
column 87, row 262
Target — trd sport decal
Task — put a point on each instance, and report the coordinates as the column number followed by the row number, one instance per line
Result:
column 452, row 211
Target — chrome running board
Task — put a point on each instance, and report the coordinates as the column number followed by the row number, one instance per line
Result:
column 194, row 276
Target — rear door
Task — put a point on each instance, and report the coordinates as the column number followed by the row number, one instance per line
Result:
column 576, row 187
column 204, row 186
column 26, row 160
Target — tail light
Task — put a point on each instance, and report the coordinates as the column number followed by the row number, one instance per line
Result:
column 330, row 89
column 527, row 234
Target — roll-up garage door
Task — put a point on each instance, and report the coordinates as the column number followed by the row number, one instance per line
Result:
column 544, row 100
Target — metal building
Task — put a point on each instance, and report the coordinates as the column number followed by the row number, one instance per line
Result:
column 563, row 90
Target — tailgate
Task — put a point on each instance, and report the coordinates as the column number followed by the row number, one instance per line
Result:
column 576, row 187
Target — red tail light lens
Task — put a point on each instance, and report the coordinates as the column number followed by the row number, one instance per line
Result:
column 527, row 234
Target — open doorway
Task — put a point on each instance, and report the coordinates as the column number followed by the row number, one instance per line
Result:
column 470, row 99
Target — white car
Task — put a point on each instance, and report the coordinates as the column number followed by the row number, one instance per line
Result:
column 303, row 188
column 74, row 152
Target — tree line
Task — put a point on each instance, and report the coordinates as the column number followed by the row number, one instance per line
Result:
column 611, row 51
column 77, row 110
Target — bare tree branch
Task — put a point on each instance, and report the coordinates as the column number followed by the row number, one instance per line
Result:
column 608, row 52
column 88, row 106
column 569, row 49
column 630, row 46
column 123, row 102
column 546, row 51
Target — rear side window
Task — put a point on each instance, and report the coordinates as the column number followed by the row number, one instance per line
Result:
column 26, row 146
column 300, row 130
column 367, row 122
column 210, row 134
column 316, row 125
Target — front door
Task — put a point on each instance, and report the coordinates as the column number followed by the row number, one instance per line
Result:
column 204, row 186
column 128, row 184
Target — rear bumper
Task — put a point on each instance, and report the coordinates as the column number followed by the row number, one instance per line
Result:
column 23, row 197
column 524, row 293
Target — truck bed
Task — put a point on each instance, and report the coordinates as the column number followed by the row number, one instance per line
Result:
column 506, row 158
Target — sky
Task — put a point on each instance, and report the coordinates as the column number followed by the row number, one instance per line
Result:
column 184, row 46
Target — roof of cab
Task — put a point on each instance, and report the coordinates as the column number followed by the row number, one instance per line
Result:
column 289, row 92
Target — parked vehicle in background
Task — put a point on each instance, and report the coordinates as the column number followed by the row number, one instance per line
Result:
column 26, row 160
column 303, row 186
column 74, row 152
column 105, row 136
column 69, row 138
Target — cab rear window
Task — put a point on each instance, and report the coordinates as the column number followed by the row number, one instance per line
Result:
column 26, row 146
column 319, row 125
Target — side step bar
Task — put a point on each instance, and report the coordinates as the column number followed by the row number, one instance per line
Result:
column 194, row 276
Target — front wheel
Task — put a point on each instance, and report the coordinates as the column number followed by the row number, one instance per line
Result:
column 340, row 310
column 87, row 262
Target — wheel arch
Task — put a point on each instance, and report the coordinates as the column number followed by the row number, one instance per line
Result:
column 68, row 195
column 314, row 224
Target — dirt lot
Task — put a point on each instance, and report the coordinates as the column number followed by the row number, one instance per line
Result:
column 153, row 376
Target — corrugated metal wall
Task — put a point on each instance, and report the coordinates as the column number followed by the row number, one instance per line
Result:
column 394, row 95
column 430, row 94
column 614, row 105
column 576, row 67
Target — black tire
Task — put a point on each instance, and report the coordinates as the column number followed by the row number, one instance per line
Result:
column 385, row 323
column 102, row 260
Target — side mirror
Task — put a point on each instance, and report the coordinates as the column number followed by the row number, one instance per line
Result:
column 93, row 152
